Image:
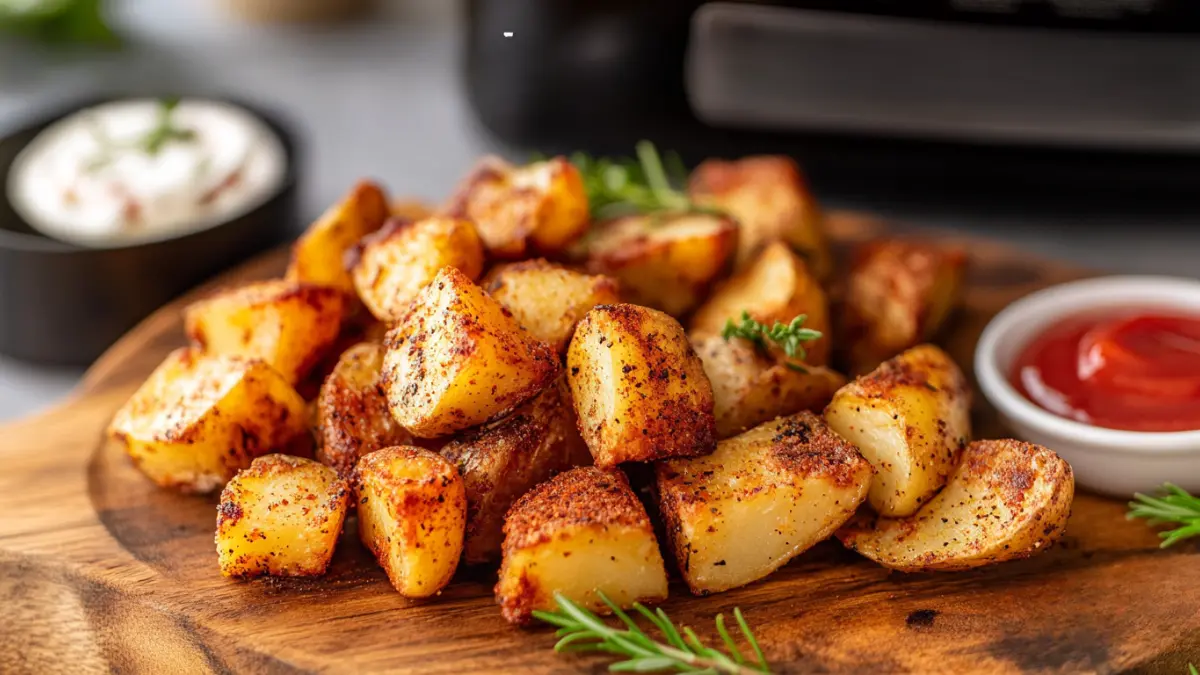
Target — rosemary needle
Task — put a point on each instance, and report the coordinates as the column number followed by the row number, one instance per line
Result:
column 1173, row 506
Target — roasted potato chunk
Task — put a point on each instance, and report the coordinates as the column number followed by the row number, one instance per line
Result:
column 501, row 461
column 665, row 262
column 458, row 359
column 911, row 419
column 197, row 419
column 538, row 209
column 396, row 262
column 410, row 209
column 318, row 255
column 1007, row 500
column 547, row 299
column 352, row 413
column 751, row 387
column 412, row 509
column 639, row 390
column 774, row 286
column 282, row 517
column 761, row 499
column 898, row 295
column 582, row 532
column 288, row 324
column 771, row 202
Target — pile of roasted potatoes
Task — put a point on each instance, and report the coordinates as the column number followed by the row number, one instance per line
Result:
column 473, row 382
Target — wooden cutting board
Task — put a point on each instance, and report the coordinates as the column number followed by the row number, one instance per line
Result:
column 102, row 572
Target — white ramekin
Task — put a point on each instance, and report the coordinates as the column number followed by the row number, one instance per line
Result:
column 1108, row 461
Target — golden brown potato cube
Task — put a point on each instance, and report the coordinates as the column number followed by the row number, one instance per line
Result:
column 639, row 389
column 548, row 299
column 395, row 263
column 282, row 517
column 1007, row 500
column 536, row 209
column 503, row 460
column 352, row 413
column 459, row 359
column 761, row 499
column 318, row 255
column 412, row 509
column 910, row 418
column 290, row 325
column 663, row 261
column 898, row 295
column 773, row 287
column 581, row 533
column 197, row 420
column 751, row 387
column 770, row 200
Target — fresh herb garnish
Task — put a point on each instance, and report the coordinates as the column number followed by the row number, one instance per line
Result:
column 59, row 22
column 580, row 630
column 1175, row 506
column 152, row 142
column 788, row 337
column 623, row 186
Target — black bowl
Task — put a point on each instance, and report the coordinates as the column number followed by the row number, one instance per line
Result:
column 65, row 304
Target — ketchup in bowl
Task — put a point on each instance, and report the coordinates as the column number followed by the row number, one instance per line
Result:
column 1137, row 372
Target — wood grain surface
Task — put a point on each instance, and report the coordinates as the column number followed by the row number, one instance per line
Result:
column 102, row 572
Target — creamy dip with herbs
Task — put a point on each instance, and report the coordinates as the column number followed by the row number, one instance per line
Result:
column 141, row 170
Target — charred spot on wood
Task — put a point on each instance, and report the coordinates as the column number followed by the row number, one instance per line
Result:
column 921, row 618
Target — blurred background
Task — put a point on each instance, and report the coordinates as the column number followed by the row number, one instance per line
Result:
column 1069, row 127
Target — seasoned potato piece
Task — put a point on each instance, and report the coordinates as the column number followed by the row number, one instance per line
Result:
column 771, row 202
column 288, row 324
column 352, row 414
column 318, row 255
column 396, row 262
column 750, row 387
column 282, row 517
column 540, row 208
column 580, row 532
column 639, row 389
column 458, row 359
column 911, row 419
column 410, row 209
column 412, row 509
column 501, row 461
column 547, row 299
column 664, row 262
column 898, row 295
column 761, row 499
column 774, row 286
column 1007, row 500
column 197, row 419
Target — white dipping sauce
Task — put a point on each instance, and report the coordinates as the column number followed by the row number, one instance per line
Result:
column 90, row 178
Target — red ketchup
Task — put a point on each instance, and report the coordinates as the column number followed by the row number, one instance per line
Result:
column 1138, row 372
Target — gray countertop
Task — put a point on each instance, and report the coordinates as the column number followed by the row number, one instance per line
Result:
column 382, row 98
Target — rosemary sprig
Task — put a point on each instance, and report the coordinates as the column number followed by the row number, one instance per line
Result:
column 647, row 184
column 1176, row 506
column 580, row 630
column 789, row 337
column 1192, row 669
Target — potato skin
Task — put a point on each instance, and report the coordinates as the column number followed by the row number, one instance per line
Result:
column 352, row 413
column 317, row 256
column 639, row 389
column 548, row 299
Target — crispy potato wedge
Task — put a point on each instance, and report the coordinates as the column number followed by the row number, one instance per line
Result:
column 665, row 262
column 639, row 389
column 290, row 325
column 548, row 299
column 458, row 359
column 761, row 499
column 898, row 295
column 769, row 198
column 318, row 255
column 774, row 286
column 197, row 420
column 412, row 508
column 751, row 387
column 396, row 262
column 503, row 460
column 1007, row 500
column 536, row 209
column 280, row 517
column 352, row 413
column 580, row 532
column 910, row 418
